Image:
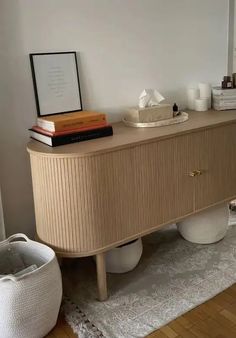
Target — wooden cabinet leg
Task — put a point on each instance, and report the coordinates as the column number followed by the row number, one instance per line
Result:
column 101, row 276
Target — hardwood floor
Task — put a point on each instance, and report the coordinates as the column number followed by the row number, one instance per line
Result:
column 213, row 319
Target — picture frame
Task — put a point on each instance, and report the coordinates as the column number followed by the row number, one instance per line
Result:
column 56, row 82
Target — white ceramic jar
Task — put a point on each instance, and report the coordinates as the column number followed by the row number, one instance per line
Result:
column 207, row 226
column 124, row 258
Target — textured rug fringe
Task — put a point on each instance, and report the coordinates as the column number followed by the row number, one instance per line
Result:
column 78, row 321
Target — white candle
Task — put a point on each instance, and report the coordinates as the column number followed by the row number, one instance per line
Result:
column 205, row 92
column 201, row 104
column 193, row 94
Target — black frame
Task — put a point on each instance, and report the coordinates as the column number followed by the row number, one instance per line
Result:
column 31, row 55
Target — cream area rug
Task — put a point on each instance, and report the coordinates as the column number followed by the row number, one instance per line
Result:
column 172, row 277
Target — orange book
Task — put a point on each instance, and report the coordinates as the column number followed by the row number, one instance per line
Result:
column 67, row 121
column 69, row 131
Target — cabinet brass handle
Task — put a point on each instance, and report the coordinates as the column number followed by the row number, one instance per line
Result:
column 195, row 173
column 198, row 172
column 192, row 174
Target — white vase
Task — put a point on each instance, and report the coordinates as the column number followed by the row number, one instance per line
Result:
column 207, row 226
column 124, row 258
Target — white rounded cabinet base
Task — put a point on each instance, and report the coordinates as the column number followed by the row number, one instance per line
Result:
column 205, row 227
column 124, row 258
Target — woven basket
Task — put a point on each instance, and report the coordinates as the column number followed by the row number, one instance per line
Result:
column 125, row 257
column 29, row 304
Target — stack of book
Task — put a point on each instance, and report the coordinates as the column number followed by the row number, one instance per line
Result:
column 59, row 129
column 224, row 99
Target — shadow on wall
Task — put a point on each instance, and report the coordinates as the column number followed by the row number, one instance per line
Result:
column 2, row 226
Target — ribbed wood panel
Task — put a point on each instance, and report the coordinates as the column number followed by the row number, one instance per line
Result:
column 86, row 204
column 217, row 160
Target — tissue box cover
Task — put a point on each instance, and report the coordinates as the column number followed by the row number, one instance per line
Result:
column 149, row 114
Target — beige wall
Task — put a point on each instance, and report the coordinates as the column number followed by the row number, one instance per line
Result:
column 233, row 35
column 124, row 47
column 17, row 114
column 2, row 225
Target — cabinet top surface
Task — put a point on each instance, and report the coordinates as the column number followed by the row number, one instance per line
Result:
column 125, row 136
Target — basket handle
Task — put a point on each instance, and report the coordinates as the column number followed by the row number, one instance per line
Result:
column 14, row 237
column 9, row 277
column 20, row 237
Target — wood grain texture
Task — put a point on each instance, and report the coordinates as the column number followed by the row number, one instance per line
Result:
column 88, row 204
column 216, row 149
column 101, row 276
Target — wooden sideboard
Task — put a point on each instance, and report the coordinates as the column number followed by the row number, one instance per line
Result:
column 95, row 195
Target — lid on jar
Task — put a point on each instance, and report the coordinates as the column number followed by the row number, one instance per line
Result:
column 227, row 78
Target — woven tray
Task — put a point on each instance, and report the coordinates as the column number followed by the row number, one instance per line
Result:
column 178, row 119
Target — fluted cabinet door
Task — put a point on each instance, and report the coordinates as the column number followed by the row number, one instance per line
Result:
column 84, row 205
column 217, row 163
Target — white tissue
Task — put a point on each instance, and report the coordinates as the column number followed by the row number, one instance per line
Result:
column 150, row 98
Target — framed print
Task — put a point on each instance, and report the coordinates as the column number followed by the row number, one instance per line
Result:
column 56, row 83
